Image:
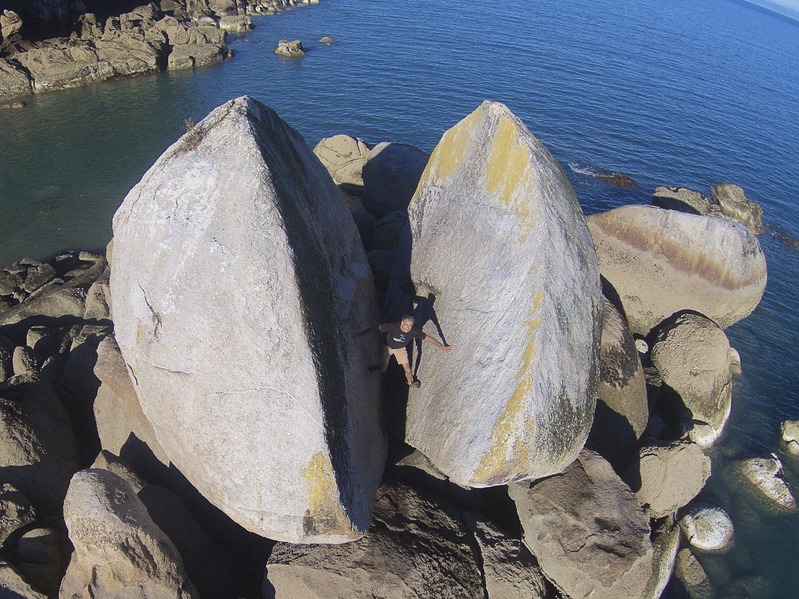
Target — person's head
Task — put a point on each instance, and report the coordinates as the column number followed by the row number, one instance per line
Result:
column 406, row 323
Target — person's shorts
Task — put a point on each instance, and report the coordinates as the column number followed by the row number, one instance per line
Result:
column 400, row 354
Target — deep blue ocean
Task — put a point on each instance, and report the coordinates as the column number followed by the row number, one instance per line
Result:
column 673, row 92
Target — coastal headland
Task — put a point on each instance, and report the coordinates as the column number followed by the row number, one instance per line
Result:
column 47, row 46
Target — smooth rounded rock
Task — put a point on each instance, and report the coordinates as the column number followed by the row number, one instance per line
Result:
column 734, row 204
column 343, row 157
column 694, row 358
column 789, row 430
column 500, row 242
column 662, row 262
column 708, row 528
column 668, row 477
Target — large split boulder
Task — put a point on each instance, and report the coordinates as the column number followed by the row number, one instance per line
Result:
column 501, row 243
column 238, row 278
column 118, row 547
column 694, row 358
column 662, row 261
column 418, row 546
column 588, row 531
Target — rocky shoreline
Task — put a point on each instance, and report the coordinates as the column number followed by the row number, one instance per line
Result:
column 170, row 34
column 190, row 415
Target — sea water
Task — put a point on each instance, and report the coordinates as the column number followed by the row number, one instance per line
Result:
column 669, row 93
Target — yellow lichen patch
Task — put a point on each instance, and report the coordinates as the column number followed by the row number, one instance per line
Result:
column 451, row 150
column 508, row 453
column 325, row 514
column 508, row 175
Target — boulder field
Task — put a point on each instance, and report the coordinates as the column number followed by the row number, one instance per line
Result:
column 190, row 415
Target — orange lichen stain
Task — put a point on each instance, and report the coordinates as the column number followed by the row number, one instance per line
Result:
column 325, row 514
column 509, row 453
column 508, row 174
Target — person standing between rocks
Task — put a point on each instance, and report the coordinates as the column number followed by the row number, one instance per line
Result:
column 398, row 336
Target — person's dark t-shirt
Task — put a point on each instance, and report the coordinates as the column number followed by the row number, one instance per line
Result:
column 396, row 337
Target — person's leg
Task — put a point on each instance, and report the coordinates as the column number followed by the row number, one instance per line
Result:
column 401, row 356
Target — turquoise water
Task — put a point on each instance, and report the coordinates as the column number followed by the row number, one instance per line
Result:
column 677, row 93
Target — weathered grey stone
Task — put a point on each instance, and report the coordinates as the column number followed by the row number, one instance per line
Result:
column 187, row 56
column 119, row 551
column 500, row 241
column 14, row 82
column 15, row 511
column 693, row 577
column 416, row 547
column 42, row 556
column 290, row 49
column 38, row 276
column 116, row 407
column 343, row 157
column 767, row 478
column 692, row 355
column 6, row 358
column 236, row 24
column 789, row 430
column 668, row 477
column 707, row 528
column 240, row 218
column 665, row 544
column 622, row 410
column 326, row 39
column 98, row 298
column 509, row 569
column 59, row 65
column 662, row 262
column 12, row 585
column 390, row 176
column 38, row 453
column 587, row 530
column 734, row 204
column 24, row 361
column 208, row 566
column 10, row 25
column 684, row 200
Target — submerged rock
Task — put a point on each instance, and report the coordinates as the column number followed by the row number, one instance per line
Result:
column 708, row 528
column 290, row 49
column 693, row 577
column 767, row 478
column 500, row 241
column 588, row 531
column 238, row 277
column 662, row 262
column 694, row 358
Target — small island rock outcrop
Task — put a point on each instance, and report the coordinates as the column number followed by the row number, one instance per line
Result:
column 238, row 278
column 501, row 243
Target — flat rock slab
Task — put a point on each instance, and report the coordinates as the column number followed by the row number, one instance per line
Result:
column 661, row 262
column 588, row 531
column 501, row 245
column 238, row 278
column 767, row 477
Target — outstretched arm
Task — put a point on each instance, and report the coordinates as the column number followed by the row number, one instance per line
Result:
column 372, row 329
column 438, row 344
